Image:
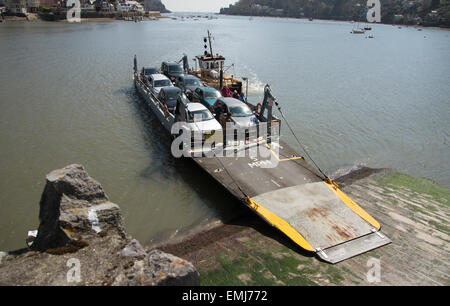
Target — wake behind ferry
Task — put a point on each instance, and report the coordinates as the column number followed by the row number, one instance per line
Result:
column 276, row 183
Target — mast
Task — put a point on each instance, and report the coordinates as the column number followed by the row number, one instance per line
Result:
column 210, row 46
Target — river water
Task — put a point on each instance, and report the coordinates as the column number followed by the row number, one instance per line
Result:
column 67, row 96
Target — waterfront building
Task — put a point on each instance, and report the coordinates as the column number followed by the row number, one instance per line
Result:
column 22, row 6
column 130, row 6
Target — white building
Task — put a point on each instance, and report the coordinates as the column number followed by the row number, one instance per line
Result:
column 130, row 6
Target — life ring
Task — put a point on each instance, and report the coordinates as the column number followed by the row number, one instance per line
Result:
column 166, row 111
column 258, row 108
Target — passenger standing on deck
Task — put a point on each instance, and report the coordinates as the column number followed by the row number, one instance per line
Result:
column 226, row 92
column 242, row 97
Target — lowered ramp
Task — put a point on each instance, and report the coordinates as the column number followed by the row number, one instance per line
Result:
column 320, row 218
column 292, row 197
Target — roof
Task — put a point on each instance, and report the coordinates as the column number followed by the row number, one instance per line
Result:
column 231, row 101
column 159, row 76
column 207, row 88
column 188, row 76
column 171, row 63
column 210, row 58
column 193, row 106
column 168, row 89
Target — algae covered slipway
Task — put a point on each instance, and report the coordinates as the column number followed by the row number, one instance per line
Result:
column 413, row 212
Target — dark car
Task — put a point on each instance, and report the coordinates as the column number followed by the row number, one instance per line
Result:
column 206, row 96
column 188, row 83
column 146, row 71
column 169, row 96
column 172, row 70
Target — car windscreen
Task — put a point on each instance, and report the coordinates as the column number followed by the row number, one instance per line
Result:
column 240, row 111
column 149, row 71
column 162, row 83
column 172, row 94
column 175, row 69
column 192, row 82
column 171, row 103
column 212, row 94
column 200, row 115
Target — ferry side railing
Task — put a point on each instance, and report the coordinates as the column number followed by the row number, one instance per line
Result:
column 148, row 90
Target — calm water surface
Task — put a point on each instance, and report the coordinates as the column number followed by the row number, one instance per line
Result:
column 66, row 96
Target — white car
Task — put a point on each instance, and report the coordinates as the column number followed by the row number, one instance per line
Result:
column 158, row 81
column 203, row 127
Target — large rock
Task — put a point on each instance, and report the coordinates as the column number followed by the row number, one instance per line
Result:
column 78, row 224
column 160, row 269
column 134, row 250
column 169, row 270
column 74, row 207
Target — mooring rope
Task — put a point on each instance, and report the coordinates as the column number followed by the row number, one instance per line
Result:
column 298, row 140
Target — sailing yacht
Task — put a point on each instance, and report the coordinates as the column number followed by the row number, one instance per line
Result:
column 357, row 30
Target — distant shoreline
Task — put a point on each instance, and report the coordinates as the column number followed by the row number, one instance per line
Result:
column 17, row 19
column 344, row 21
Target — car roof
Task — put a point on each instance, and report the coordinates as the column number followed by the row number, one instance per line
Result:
column 194, row 106
column 231, row 101
column 207, row 88
column 171, row 63
column 159, row 76
column 151, row 67
column 189, row 76
column 166, row 89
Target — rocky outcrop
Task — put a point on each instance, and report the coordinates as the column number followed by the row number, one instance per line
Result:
column 81, row 229
column 155, row 5
column 73, row 208
column 159, row 269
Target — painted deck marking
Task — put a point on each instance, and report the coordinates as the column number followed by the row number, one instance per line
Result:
column 282, row 159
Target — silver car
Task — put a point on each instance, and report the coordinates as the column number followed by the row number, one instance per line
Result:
column 236, row 111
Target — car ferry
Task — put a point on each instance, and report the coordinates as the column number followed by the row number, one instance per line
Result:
column 272, row 179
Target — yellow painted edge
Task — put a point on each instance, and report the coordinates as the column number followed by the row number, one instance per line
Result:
column 284, row 159
column 280, row 224
column 353, row 206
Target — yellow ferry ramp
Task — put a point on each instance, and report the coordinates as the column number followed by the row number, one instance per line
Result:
column 320, row 218
column 291, row 196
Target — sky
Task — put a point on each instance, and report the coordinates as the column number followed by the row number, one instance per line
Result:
column 196, row 5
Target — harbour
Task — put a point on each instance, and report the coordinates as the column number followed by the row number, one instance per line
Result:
column 139, row 141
